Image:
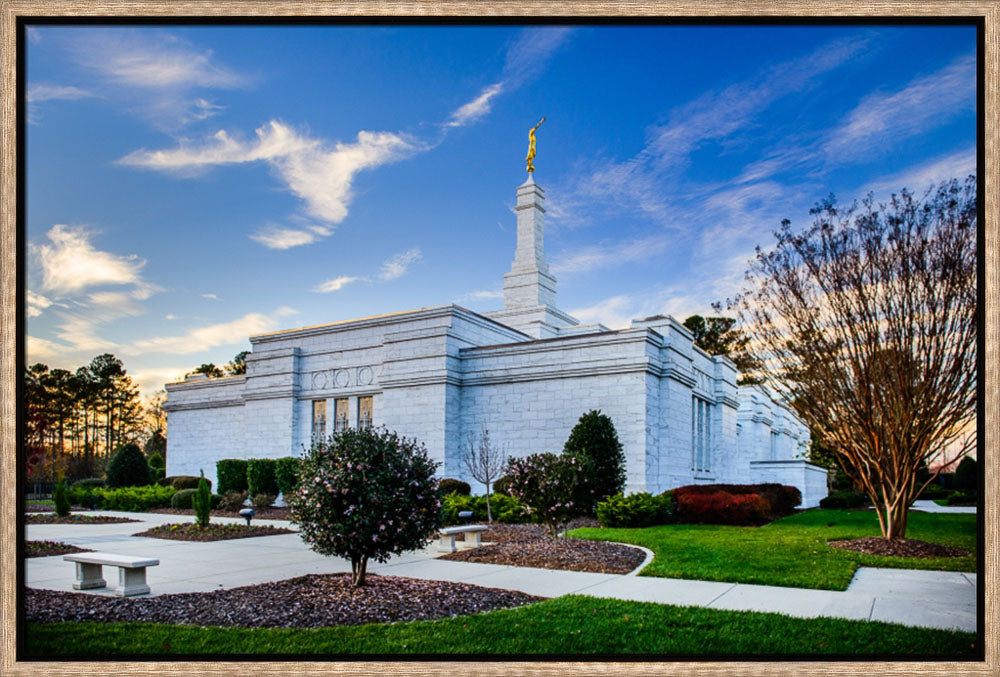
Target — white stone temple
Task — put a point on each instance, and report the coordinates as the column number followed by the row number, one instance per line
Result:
column 526, row 372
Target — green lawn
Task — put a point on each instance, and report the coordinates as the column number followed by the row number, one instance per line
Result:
column 571, row 625
column 790, row 551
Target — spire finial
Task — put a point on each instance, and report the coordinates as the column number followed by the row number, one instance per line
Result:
column 530, row 160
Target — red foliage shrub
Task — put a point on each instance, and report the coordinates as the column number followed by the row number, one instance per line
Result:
column 722, row 508
column 781, row 498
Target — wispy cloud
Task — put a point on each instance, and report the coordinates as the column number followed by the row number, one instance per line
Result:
column 917, row 179
column 526, row 58
column 599, row 256
column 925, row 102
column 154, row 73
column 50, row 92
column 211, row 297
column 202, row 338
column 399, row 264
column 37, row 303
column 318, row 172
column 69, row 262
column 336, row 284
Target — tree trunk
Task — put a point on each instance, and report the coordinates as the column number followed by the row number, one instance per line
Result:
column 359, row 566
column 489, row 512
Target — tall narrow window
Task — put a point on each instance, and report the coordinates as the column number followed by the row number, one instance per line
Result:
column 318, row 420
column 364, row 412
column 774, row 446
column 701, row 434
column 340, row 413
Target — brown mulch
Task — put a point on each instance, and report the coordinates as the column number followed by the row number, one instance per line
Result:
column 528, row 545
column 39, row 507
column 900, row 547
column 49, row 548
column 189, row 531
column 312, row 601
column 52, row 518
column 262, row 514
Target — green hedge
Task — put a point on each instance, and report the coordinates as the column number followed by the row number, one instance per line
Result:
column 261, row 476
column 130, row 499
column 505, row 509
column 843, row 500
column 232, row 475
column 635, row 510
column 450, row 485
column 286, row 474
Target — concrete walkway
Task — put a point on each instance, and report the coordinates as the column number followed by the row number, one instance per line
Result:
column 934, row 599
column 931, row 506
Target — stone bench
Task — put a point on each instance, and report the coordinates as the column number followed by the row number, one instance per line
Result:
column 448, row 534
column 131, row 572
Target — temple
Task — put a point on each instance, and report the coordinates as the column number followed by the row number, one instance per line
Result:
column 527, row 372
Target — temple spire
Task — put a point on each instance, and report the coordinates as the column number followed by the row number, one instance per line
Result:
column 529, row 284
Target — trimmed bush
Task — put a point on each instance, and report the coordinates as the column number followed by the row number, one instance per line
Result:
column 261, row 476
column 128, row 467
column 366, row 494
column 201, row 501
column 635, row 510
column 182, row 500
column 780, row 497
column 286, row 474
column 965, row 475
column 546, row 484
column 180, row 482
column 233, row 501
column 60, row 499
column 261, row 501
column 843, row 500
column 594, row 442
column 88, row 482
column 232, row 475
column 723, row 508
column 450, row 485
column 156, row 461
column 962, row 498
column 505, row 509
column 502, row 485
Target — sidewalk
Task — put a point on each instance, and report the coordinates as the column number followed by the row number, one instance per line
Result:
column 933, row 599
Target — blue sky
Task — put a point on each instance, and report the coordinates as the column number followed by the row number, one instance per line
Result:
column 190, row 186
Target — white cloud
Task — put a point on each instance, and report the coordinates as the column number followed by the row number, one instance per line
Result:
column 925, row 102
column 609, row 255
column 319, row 173
column 211, row 297
column 481, row 295
column 70, row 262
column 42, row 350
column 36, row 304
column 477, row 108
column 150, row 380
column 336, row 284
column 398, row 264
column 202, row 338
column 169, row 316
column 613, row 313
column 917, row 179
column 49, row 92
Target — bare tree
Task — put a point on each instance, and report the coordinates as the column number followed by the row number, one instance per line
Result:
column 866, row 321
column 485, row 462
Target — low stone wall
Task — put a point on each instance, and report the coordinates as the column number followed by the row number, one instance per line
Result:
column 808, row 478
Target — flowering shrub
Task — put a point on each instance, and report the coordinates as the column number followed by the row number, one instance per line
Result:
column 366, row 494
column 635, row 510
column 546, row 483
column 722, row 508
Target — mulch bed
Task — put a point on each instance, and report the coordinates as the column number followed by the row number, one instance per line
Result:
column 49, row 548
column 312, row 601
column 39, row 507
column 901, row 547
column 262, row 514
column 189, row 531
column 528, row 545
column 52, row 518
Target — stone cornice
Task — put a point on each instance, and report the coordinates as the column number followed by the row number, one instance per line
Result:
column 204, row 404
column 221, row 382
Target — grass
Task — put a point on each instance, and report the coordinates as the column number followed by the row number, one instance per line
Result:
column 790, row 551
column 572, row 625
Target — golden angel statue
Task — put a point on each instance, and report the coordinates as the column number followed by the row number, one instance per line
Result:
column 530, row 160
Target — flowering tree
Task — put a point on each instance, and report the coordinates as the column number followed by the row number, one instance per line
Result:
column 366, row 494
column 546, row 484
